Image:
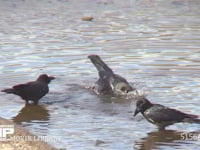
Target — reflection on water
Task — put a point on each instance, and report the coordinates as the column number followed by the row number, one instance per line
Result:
column 31, row 113
column 166, row 138
column 152, row 43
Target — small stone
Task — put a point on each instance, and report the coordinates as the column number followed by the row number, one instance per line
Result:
column 88, row 18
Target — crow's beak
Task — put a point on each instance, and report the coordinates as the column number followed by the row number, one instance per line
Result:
column 51, row 78
column 90, row 56
column 137, row 110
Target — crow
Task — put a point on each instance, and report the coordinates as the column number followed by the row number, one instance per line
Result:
column 32, row 91
column 108, row 81
column 162, row 116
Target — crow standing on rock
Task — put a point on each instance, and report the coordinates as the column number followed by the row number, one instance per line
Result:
column 162, row 116
column 32, row 91
column 108, row 81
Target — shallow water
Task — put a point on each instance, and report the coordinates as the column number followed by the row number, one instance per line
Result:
column 153, row 44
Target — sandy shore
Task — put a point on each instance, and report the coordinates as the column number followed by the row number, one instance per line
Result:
column 22, row 144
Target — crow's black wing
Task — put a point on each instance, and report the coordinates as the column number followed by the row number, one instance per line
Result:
column 23, row 87
column 32, row 90
column 159, row 113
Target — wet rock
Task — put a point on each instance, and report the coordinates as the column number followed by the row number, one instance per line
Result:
column 22, row 144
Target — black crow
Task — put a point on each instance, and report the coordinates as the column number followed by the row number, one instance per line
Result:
column 162, row 116
column 33, row 91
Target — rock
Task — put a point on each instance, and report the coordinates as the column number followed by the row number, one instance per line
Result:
column 22, row 144
column 88, row 18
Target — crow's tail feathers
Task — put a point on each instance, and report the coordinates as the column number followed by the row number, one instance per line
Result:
column 100, row 64
column 196, row 121
column 13, row 91
column 192, row 120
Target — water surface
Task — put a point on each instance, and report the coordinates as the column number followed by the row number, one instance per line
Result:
column 153, row 44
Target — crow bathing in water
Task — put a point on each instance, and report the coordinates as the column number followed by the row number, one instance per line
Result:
column 108, row 81
column 32, row 90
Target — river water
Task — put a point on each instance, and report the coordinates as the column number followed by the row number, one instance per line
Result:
column 154, row 44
